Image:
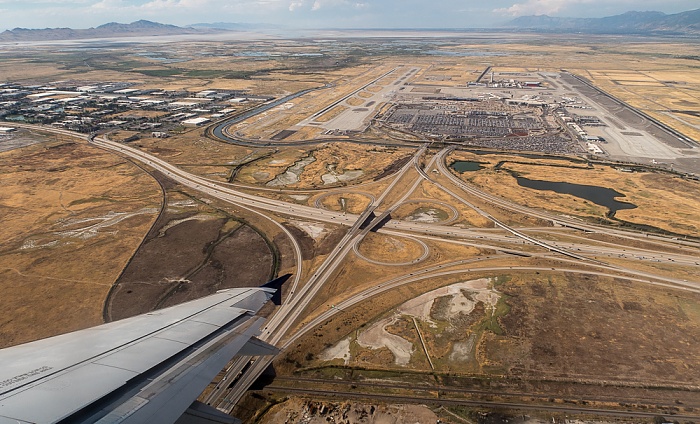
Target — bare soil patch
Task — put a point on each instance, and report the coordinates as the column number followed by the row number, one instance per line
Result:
column 596, row 328
column 390, row 249
column 192, row 251
column 354, row 203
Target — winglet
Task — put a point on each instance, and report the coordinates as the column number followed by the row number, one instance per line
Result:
column 276, row 285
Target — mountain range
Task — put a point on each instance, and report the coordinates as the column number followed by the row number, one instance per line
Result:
column 648, row 23
column 110, row 30
column 653, row 23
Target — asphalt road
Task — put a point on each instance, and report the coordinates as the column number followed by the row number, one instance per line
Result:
column 573, row 257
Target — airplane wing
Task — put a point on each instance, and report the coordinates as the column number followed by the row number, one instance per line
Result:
column 145, row 369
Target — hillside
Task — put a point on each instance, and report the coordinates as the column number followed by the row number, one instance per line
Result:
column 626, row 23
column 110, row 30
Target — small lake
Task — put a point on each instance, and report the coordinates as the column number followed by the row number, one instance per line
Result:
column 466, row 166
column 598, row 195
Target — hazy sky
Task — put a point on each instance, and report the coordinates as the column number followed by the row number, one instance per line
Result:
column 313, row 13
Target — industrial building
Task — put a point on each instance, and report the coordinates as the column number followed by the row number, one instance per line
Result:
column 196, row 122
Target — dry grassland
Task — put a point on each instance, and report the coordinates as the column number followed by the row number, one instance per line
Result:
column 668, row 95
column 598, row 328
column 354, row 101
column 330, row 158
column 663, row 200
column 279, row 119
column 355, row 203
column 214, row 172
column 121, row 135
column 337, row 110
column 307, row 132
column 356, row 274
column 665, row 269
column 408, row 209
column 339, row 327
column 389, row 249
column 343, row 157
column 192, row 148
column 267, row 169
column 558, row 327
column 72, row 217
column 468, row 217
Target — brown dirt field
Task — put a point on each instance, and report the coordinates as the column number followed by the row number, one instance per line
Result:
column 354, row 101
column 307, row 132
column 72, row 217
column 560, row 334
column 229, row 267
column 389, row 249
column 192, row 251
column 193, row 148
column 598, row 328
column 355, row 203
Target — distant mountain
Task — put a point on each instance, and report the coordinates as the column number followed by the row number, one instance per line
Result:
column 110, row 30
column 627, row 23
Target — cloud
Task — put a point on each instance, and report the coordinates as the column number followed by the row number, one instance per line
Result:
column 330, row 4
column 294, row 5
column 539, row 7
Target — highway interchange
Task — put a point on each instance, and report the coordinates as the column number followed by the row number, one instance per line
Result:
column 577, row 255
column 287, row 325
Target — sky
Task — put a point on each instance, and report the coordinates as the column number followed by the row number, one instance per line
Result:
column 314, row 13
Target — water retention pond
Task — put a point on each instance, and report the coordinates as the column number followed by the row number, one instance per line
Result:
column 599, row 195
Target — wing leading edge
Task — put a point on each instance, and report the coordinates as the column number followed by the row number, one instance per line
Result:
column 144, row 369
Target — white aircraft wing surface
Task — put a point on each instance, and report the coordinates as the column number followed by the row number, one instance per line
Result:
column 145, row 369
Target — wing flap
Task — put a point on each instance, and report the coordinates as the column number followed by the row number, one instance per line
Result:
column 171, row 393
column 257, row 347
column 67, row 390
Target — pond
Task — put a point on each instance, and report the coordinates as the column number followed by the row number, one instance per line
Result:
column 599, row 195
column 465, row 165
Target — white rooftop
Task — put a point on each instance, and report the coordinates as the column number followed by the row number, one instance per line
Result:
column 195, row 121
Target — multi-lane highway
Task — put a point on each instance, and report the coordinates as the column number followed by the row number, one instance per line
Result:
column 576, row 255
